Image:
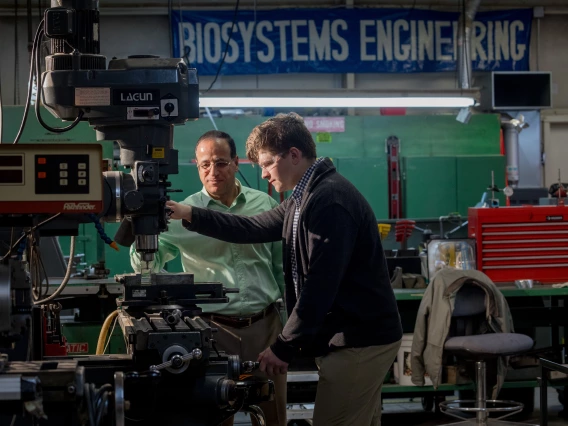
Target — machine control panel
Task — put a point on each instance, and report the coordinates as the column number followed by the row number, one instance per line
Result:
column 54, row 178
column 62, row 174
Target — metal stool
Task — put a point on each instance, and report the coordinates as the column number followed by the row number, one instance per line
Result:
column 482, row 347
column 470, row 311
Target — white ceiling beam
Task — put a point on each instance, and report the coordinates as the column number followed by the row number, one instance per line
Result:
column 153, row 7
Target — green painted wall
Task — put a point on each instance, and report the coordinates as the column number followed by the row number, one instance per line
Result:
column 369, row 175
column 474, row 177
column 429, row 186
column 437, row 186
column 432, row 135
column 420, row 135
column 35, row 133
column 446, row 164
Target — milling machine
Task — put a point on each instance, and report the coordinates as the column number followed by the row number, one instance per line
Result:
column 172, row 373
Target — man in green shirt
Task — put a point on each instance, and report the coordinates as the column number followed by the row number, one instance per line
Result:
column 250, row 322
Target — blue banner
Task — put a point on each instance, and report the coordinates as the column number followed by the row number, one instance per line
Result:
column 348, row 40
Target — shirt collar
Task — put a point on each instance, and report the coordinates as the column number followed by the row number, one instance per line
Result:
column 300, row 187
column 241, row 197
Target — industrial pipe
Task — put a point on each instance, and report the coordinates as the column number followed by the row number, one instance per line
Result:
column 511, row 139
column 511, row 129
column 465, row 34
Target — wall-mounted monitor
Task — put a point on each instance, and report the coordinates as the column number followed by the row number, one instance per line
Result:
column 516, row 90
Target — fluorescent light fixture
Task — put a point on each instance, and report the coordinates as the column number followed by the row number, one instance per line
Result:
column 338, row 99
column 334, row 102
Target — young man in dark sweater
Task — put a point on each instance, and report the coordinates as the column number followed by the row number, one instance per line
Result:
column 340, row 303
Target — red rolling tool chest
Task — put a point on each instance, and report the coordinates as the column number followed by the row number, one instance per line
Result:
column 525, row 242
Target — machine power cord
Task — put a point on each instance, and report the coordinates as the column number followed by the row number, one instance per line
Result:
column 25, row 234
column 235, row 13
column 35, row 70
column 30, row 83
column 57, row 292
column 37, row 60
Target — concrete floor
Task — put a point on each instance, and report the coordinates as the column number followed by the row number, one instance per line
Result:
column 405, row 412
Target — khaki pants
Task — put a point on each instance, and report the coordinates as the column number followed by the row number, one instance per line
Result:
column 350, row 383
column 248, row 342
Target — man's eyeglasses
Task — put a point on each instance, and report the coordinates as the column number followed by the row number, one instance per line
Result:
column 269, row 165
column 219, row 165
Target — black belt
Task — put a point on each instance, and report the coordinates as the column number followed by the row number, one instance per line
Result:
column 239, row 322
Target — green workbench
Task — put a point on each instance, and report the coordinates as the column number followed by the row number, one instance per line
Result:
column 508, row 291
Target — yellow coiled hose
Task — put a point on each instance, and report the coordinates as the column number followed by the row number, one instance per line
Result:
column 104, row 332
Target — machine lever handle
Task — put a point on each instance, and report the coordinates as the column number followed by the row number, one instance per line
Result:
column 177, row 361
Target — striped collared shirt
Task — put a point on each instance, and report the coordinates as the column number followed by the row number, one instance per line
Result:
column 297, row 195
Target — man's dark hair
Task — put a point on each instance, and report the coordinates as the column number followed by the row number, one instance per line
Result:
column 217, row 134
column 280, row 133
